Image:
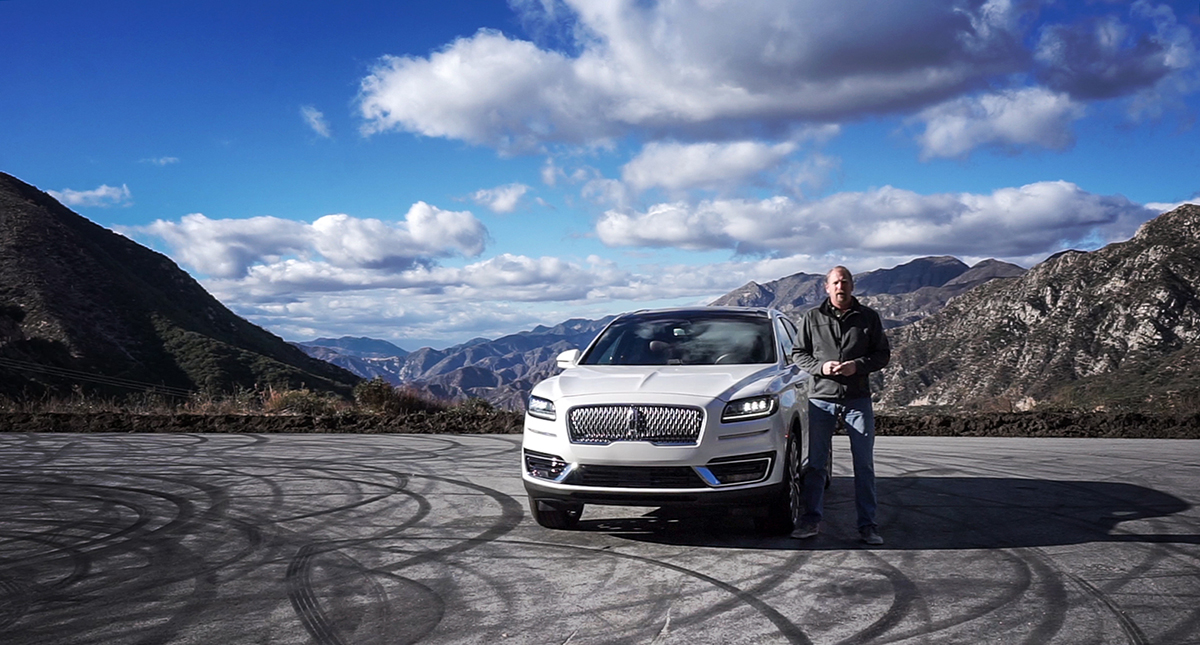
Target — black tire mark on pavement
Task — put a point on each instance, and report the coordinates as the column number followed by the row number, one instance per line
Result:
column 1131, row 630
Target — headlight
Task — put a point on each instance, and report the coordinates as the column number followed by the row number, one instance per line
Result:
column 541, row 408
column 755, row 407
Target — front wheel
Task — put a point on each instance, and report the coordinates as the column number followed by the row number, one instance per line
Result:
column 783, row 513
column 555, row 515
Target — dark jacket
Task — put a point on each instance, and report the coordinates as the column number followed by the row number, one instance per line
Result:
column 856, row 335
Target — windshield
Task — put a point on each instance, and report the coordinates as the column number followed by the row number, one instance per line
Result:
column 706, row 339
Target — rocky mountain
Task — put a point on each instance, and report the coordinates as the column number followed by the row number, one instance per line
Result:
column 504, row 370
column 501, row 371
column 81, row 306
column 360, row 347
column 902, row 294
column 1112, row 327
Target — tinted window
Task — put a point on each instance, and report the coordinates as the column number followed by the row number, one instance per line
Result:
column 684, row 340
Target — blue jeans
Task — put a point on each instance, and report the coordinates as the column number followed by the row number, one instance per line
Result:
column 860, row 425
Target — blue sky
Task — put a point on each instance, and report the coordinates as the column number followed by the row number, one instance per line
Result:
column 430, row 172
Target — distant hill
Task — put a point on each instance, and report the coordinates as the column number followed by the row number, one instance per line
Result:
column 902, row 294
column 503, row 370
column 81, row 306
column 360, row 347
column 1115, row 327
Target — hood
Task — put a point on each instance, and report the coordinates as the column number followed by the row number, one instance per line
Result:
column 708, row 381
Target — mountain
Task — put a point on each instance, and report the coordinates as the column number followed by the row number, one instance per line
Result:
column 1116, row 326
column 501, row 370
column 360, row 347
column 81, row 306
column 902, row 294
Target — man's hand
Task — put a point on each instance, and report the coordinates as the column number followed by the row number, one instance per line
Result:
column 834, row 368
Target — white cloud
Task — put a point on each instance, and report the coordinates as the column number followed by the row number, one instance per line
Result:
column 1012, row 119
column 1166, row 207
column 502, row 199
column 102, row 197
column 228, row 247
column 316, row 120
column 1011, row 222
column 694, row 66
column 161, row 161
column 676, row 166
column 234, row 248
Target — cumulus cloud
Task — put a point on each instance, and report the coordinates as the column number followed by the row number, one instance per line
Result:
column 235, row 248
column 694, row 65
column 102, row 197
column 502, row 199
column 676, row 166
column 1030, row 117
column 1010, row 222
column 227, row 247
column 316, row 120
column 1109, row 56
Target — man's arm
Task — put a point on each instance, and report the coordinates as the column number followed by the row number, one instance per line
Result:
column 880, row 351
column 803, row 353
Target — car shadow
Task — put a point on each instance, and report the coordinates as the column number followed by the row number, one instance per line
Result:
column 920, row 513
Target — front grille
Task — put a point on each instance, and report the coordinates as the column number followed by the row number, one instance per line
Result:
column 602, row 424
column 636, row 477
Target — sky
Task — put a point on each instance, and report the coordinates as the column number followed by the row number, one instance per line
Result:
column 428, row 172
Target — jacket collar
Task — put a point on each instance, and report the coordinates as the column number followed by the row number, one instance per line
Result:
column 828, row 309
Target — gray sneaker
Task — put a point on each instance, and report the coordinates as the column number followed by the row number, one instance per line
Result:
column 870, row 535
column 806, row 530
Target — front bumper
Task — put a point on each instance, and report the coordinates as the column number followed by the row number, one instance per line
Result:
column 730, row 464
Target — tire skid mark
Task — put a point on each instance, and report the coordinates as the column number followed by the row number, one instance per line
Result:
column 759, row 588
column 298, row 579
column 787, row 628
column 905, row 594
column 304, row 601
column 1130, row 628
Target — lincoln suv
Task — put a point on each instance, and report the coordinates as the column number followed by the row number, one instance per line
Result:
column 698, row 406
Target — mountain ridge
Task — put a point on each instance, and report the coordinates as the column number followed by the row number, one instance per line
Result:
column 1115, row 326
column 77, row 298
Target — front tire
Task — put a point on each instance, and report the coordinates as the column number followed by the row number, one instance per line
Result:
column 783, row 513
column 555, row 515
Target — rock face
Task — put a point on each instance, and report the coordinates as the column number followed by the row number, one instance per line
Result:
column 502, row 371
column 1115, row 326
column 81, row 306
column 902, row 294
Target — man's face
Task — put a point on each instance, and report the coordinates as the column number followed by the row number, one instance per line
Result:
column 839, row 285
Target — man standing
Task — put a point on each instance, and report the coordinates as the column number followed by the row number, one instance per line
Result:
column 841, row 342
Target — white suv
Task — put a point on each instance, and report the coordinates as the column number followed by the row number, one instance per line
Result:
column 672, row 406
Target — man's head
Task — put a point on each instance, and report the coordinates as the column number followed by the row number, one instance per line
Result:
column 839, row 284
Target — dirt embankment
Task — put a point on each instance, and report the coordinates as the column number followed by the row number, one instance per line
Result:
column 1112, row 425
column 1017, row 424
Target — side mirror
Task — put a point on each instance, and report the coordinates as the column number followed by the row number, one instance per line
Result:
column 568, row 359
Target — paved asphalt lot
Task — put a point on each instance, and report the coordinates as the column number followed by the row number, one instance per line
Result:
column 416, row 538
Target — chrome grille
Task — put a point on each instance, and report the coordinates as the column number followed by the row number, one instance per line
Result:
column 601, row 424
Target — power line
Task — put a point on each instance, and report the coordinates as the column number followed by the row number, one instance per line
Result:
column 94, row 378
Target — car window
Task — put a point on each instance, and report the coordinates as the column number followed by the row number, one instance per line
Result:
column 787, row 340
column 684, row 340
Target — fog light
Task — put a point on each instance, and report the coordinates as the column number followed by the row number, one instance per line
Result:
column 543, row 466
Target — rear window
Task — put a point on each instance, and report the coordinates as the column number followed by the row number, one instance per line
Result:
column 684, row 340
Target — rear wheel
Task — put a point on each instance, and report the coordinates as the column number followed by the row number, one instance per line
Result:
column 554, row 514
column 783, row 514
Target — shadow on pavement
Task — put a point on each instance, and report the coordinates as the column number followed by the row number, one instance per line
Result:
column 920, row 513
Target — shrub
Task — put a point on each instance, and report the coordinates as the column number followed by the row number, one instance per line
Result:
column 377, row 395
column 299, row 402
